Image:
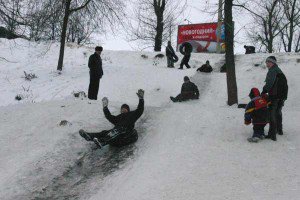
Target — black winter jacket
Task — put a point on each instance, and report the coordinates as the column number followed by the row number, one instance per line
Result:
column 170, row 51
column 125, row 120
column 189, row 89
column 95, row 65
column 256, row 110
column 205, row 68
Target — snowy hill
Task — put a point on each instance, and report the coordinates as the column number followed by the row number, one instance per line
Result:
column 191, row 150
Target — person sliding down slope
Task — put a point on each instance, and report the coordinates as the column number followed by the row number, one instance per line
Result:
column 123, row 132
column 188, row 91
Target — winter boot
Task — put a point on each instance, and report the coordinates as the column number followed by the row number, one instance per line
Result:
column 253, row 139
column 262, row 137
column 173, row 99
column 271, row 137
column 280, row 132
column 85, row 135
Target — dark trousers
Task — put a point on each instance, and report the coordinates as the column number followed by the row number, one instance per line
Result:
column 185, row 61
column 103, row 135
column 185, row 97
column 258, row 130
column 93, row 87
column 275, row 117
column 170, row 61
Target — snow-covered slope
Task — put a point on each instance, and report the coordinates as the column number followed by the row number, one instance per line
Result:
column 191, row 150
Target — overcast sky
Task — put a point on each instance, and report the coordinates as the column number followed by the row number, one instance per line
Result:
column 195, row 14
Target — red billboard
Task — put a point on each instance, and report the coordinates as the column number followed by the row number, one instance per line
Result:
column 203, row 37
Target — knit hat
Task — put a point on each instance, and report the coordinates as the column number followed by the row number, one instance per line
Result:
column 271, row 59
column 254, row 92
column 186, row 78
column 126, row 107
column 99, row 48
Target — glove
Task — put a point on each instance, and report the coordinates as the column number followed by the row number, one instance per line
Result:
column 105, row 102
column 247, row 122
column 140, row 94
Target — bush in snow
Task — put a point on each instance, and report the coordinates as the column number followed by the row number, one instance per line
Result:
column 107, row 59
column 65, row 123
column 19, row 97
column 85, row 54
column 25, row 95
column 29, row 76
column 144, row 56
column 80, row 94
column 155, row 62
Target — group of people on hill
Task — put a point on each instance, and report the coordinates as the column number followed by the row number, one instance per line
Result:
column 266, row 107
column 263, row 108
column 123, row 132
column 186, row 50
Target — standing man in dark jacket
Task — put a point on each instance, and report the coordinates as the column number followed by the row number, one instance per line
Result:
column 123, row 132
column 171, row 56
column 188, row 91
column 96, row 73
column 186, row 50
column 276, row 96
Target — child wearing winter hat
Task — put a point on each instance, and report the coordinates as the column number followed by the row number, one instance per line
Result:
column 256, row 113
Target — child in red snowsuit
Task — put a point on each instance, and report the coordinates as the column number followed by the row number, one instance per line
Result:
column 256, row 112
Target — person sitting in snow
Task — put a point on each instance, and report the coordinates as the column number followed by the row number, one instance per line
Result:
column 188, row 91
column 123, row 132
column 249, row 49
column 205, row 68
column 256, row 112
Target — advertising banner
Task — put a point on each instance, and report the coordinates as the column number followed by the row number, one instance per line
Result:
column 203, row 37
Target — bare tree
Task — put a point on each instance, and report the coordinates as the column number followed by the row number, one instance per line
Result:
column 67, row 12
column 291, row 9
column 110, row 10
column 297, row 41
column 155, row 21
column 11, row 18
column 267, row 17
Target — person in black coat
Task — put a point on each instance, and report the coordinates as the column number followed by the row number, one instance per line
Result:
column 205, row 68
column 123, row 125
column 188, row 91
column 249, row 49
column 277, row 89
column 96, row 73
column 171, row 56
column 186, row 50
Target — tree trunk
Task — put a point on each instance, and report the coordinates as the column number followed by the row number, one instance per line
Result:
column 159, row 32
column 229, row 56
column 291, row 29
column 63, row 35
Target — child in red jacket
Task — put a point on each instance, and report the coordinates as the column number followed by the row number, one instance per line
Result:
column 256, row 112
